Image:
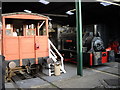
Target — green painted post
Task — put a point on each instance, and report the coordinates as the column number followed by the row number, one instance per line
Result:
column 79, row 38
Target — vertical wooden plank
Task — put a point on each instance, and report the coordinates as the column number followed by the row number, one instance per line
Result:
column 36, row 57
column 47, row 27
column 38, row 29
column 12, row 29
column 20, row 53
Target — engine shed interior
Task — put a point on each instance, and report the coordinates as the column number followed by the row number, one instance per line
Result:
column 100, row 32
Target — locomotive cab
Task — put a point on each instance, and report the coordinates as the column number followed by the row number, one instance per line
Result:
column 25, row 43
column 24, row 37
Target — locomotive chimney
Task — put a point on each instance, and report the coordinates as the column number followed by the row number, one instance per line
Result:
column 95, row 30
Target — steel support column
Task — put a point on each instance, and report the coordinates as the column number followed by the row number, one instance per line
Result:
column 79, row 38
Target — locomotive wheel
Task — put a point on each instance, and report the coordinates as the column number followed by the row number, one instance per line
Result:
column 28, row 70
column 9, row 74
column 38, row 68
column 6, row 74
column 33, row 69
column 10, row 71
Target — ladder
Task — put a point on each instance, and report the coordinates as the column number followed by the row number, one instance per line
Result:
column 53, row 56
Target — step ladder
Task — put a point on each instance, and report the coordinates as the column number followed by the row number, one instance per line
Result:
column 53, row 56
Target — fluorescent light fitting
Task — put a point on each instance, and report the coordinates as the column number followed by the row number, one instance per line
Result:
column 69, row 13
column 99, row 0
column 105, row 4
column 44, row 2
column 108, row 2
column 116, row 0
column 27, row 11
column 72, row 10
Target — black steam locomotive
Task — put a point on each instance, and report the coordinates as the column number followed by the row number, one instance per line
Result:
column 94, row 51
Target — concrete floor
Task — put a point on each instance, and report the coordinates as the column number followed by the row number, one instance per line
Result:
column 95, row 77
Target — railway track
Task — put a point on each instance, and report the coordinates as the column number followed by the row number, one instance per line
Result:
column 15, row 84
column 26, row 76
column 38, row 75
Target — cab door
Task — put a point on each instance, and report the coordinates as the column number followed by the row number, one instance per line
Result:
column 27, row 42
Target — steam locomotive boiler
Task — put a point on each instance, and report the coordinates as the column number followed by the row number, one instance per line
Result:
column 94, row 51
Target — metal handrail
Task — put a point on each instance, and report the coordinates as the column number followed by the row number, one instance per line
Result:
column 55, row 49
column 53, row 53
column 51, row 56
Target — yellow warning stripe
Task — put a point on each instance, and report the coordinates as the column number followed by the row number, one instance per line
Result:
column 106, row 73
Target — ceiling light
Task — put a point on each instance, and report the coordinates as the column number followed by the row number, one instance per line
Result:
column 116, row 0
column 44, row 2
column 105, row 1
column 69, row 13
column 27, row 11
column 55, row 15
column 99, row 0
column 72, row 10
column 105, row 4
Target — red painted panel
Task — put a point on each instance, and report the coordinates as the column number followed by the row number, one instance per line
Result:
column 11, row 48
column 27, row 47
column 42, row 54
column 91, row 59
column 42, row 43
column 104, row 57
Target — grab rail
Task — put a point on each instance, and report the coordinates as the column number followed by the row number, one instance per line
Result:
column 53, row 55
